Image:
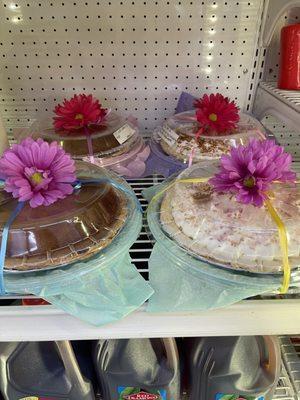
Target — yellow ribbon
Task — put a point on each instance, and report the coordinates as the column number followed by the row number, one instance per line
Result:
column 283, row 239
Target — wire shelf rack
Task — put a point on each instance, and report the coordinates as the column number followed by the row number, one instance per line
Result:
column 289, row 97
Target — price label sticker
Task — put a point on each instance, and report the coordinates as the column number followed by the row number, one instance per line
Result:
column 124, row 133
column 168, row 135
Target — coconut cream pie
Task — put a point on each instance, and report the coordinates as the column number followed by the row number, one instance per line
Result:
column 177, row 137
column 221, row 230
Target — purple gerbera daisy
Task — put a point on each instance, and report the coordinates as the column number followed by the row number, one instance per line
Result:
column 249, row 171
column 38, row 172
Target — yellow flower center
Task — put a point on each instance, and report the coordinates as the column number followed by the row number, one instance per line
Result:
column 36, row 178
column 249, row 182
column 78, row 116
column 213, row 117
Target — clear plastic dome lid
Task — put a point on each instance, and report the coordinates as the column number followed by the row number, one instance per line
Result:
column 116, row 158
column 71, row 229
column 177, row 137
column 114, row 136
column 217, row 228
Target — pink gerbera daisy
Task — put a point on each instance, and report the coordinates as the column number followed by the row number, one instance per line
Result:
column 78, row 112
column 217, row 114
column 38, row 172
column 248, row 171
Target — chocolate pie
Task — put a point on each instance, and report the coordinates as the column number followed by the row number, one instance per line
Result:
column 69, row 230
column 106, row 139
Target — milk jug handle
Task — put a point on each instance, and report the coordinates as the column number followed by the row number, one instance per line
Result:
column 271, row 365
column 70, row 362
column 171, row 352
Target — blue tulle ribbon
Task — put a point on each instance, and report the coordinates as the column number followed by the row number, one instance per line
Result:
column 76, row 185
column 5, row 231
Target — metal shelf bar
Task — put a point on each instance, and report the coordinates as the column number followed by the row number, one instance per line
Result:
column 282, row 104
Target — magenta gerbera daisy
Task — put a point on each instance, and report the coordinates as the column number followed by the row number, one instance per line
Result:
column 217, row 114
column 78, row 112
column 248, row 171
column 38, row 172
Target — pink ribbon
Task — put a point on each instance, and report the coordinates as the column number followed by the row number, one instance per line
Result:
column 89, row 139
column 199, row 133
column 90, row 145
column 192, row 153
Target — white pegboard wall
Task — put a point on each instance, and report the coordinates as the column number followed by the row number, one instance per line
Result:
column 136, row 56
column 285, row 135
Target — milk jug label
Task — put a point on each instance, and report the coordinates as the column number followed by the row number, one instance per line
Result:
column 225, row 396
column 38, row 398
column 134, row 393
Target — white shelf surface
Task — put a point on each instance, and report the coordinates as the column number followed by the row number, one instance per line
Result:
column 284, row 104
column 249, row 317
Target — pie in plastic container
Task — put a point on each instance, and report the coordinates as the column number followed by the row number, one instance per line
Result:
column 72, row 229
column 114, row 136
column 177, row 137
column 216, row 228
column 116, row 143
